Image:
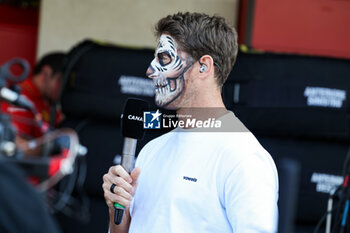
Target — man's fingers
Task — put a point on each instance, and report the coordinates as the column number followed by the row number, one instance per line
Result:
column 118, row 181
column 113, row 198
column 125, row 185
column 120, row 171
column 119, row 191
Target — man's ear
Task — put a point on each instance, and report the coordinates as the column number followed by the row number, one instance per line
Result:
column 206, row 64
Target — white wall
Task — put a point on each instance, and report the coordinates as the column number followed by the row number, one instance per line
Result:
column 63, row 23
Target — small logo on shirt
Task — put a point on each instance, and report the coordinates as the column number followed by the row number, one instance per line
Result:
column 190, row 179
column 151, row 120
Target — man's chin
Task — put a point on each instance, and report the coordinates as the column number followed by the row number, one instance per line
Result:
column 170, row 105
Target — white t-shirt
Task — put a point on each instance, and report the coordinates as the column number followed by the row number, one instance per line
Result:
column 217, row 182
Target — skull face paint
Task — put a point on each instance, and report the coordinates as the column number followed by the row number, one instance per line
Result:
column 167, row 71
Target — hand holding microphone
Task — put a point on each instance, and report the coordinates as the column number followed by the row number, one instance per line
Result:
column 119, row 187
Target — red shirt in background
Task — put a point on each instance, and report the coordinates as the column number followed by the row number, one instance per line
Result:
column 24, row 120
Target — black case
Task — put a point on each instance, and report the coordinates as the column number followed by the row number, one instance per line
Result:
column 268, row 92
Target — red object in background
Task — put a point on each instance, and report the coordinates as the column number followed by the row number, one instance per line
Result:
column 18, row 33
column 56, row 162
column 313, row 27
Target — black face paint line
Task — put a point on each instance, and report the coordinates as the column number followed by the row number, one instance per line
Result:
column 164, row 58
column 182, row 79
column 170, row 81
column 177, row 62
column 179, row 68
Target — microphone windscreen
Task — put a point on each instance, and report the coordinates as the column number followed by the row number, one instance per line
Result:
column 132, row 120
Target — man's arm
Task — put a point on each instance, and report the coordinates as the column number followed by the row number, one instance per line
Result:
column 124, row 190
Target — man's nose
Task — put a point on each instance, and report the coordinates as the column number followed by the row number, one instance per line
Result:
column 150, row 72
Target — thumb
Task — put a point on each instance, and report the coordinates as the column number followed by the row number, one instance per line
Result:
column 135, row 174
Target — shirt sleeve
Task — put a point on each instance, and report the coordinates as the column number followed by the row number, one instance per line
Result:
column 251, row 194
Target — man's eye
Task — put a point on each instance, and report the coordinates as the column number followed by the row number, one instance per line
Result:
column 164, row 59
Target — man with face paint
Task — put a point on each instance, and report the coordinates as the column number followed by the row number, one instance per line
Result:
column 188, row 180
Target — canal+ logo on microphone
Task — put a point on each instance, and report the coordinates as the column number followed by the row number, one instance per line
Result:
column 152, row 119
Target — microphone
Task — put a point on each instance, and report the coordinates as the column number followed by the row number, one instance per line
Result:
column 15, row 98
column 132, row 130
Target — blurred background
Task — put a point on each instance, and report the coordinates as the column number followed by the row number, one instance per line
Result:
column 290, row 86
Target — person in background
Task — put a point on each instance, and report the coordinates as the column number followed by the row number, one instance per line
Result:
column 42, row 89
